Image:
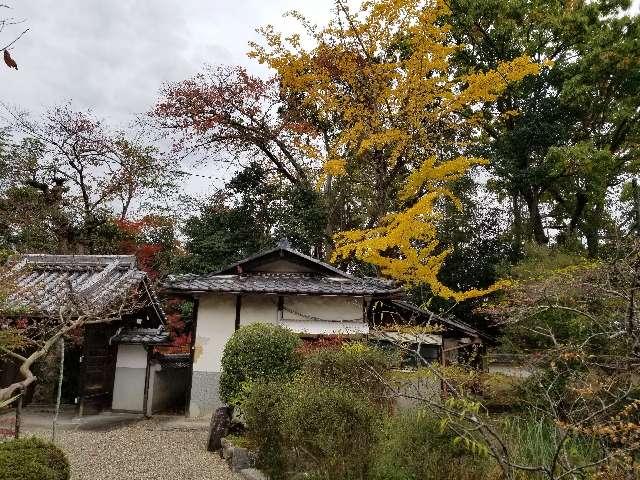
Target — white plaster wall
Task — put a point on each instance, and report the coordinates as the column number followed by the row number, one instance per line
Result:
column 131, row 356
column 258, row 309
column 330, row 313
column 315, row 327
column 216, row 324
column 333, row 315
column 217, row 313
column 128, row 385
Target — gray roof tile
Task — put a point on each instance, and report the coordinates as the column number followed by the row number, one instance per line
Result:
column 281, row 284
column 144, row 336
column 46, row 283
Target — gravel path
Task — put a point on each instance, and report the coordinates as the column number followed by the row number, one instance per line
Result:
column 145, row 450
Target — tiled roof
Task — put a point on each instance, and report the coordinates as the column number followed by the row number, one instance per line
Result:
column 45, row 284
column 450, row 322
column 175, row 360
column 145, row 336
column 281, row 284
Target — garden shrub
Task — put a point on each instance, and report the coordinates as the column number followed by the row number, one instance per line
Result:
column 331, row 428
column 307, row 426
column 412, row 446
column 263, row 409
column 503, row 393
column 353, row 365
column 257, row 352
column 32, row 459
column 324, row 420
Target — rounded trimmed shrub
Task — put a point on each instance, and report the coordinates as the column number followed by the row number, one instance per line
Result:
column 32, row 459
column 257, row 352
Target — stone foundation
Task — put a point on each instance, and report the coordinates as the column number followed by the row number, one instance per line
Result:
column 205, row 398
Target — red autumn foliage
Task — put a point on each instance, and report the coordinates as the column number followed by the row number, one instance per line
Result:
column 11, row 63
column 177, row 326
column 227, row 109
column 330, row 342
column 134, row 242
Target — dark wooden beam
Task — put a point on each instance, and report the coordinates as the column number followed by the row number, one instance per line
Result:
column 147, row 375
column 238, row 309
column 192, row 351
column 280, row 307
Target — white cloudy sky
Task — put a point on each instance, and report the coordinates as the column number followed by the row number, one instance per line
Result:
column 112, row 55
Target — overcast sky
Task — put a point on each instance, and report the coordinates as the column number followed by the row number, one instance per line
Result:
column 112, row 55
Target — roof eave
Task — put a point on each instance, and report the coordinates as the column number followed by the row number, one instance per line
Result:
column 362, row 293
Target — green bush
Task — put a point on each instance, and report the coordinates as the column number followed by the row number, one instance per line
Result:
column 354, row 365
column 330, row 428
column 263, row 409
column 322, row 421
column 307, row 426
column 32, row 459
column 412, row 446
column 503, row 393
column 257, row 352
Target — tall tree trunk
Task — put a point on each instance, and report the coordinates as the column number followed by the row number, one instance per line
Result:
column 591, row 229
column 535, row 217
column 517, row 225
column 636, row 207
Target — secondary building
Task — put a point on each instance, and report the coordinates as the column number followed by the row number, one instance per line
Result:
column 108, row 361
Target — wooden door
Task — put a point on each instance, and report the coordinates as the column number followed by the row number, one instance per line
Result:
column 98, row 368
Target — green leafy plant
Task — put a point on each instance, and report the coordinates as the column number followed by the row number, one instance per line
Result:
column 414, row 445
column 256, row 352
column 330, row 428
column 32, row 459
column 353, row 365
column 263, row 409
column 324, row 420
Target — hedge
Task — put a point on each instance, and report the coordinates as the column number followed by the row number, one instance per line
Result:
column 32, row 459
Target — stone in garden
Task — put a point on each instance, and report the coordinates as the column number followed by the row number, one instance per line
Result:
column 253, row 474
column 227, row 451
column 240, row 459
column 219, row 427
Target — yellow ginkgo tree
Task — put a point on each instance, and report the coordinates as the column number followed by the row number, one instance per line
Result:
column 394, row 117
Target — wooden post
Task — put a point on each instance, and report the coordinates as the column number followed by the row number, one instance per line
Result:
column 280, row 313
column 19, row 414
column 238, row 309
column 147, row 374
column 59, row 395
column 192, row 351
column 83, row 372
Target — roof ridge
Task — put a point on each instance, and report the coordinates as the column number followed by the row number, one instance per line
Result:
column 284, row 247
column 77, row 260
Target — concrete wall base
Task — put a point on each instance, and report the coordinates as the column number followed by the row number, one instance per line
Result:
column 204, row 394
